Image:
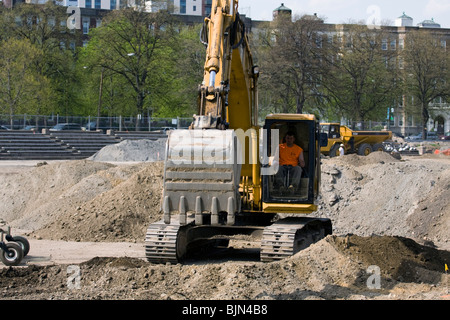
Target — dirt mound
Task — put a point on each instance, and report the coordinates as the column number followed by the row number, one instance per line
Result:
column 121, row 213
column 133, row 150
column 95, row 201
column 393, row 207
column 39, row 195
column 384, row 196
column 332, row 268
column 357, row 161
column 399, row 258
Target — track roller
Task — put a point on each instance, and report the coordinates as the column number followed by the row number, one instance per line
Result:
column 286, row 237
column 165, row 242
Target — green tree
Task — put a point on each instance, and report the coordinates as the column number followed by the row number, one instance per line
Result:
column 21, row 85
column 43, row 26
column 176, row 80
column 128, row 45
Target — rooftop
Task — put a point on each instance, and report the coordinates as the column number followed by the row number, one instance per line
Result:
column 283, row 8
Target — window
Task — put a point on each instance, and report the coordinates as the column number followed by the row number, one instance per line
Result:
column 194, row 8
column 85, row 27
column 113, row 4
column 88, row 4
column 384, row 45
column 98, row 4
column 319, row 41
column 183, row 6
column 393, row 44
column 401, row 44
column 330, row 39
column 410, row 121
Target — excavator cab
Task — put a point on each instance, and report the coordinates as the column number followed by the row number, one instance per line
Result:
column 294, row 189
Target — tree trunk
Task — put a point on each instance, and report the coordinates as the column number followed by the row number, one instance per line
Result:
column 425, row 118
column 140, row 110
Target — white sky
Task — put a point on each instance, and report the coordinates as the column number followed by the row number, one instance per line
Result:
column 339, row 11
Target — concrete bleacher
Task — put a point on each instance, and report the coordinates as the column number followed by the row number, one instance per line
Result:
column 30, row 145
column 86, row 142
column 138, row 135
column 63, row 145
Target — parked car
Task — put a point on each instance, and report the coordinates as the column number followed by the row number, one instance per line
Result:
column 3, row 128
column 165, row 129
column 445, row 136
column 29, row 128
column 103, row 125
column 66, row 126
column 415, row 137
column 432, row 135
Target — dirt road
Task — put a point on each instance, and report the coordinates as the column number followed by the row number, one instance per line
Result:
column 50, row 252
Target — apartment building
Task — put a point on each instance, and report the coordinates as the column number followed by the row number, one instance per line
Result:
column 402, row 121
column 192, row 7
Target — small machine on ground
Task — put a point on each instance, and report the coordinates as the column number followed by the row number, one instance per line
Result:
column 13, row 251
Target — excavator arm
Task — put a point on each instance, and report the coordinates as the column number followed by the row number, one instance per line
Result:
column 227, row 95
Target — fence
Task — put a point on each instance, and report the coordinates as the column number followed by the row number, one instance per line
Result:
column 144, row 123
column 89, row 123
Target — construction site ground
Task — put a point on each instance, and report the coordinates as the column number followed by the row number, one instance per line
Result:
column 86, row 223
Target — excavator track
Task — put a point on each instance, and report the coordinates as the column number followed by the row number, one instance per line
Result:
column 164, row 243
column 286, row 237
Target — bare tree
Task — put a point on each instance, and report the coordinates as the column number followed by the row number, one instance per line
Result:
column 293, row 61
column 426, row 71
column 365, row 74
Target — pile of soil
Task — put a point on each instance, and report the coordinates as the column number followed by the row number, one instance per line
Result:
column 121, row 212
column 381, row 195
column 334, row 268
column 377, row 194
column 133, row 150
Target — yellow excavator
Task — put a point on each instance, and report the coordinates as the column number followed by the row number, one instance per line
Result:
column 222, row 175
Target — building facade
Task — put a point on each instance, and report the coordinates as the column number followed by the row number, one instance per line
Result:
column 192, row 7
column 401, row 120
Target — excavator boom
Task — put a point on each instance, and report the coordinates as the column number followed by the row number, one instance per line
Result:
column 229, row 64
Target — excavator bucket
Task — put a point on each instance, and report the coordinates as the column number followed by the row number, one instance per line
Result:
column 202, row 174
column 201, row 188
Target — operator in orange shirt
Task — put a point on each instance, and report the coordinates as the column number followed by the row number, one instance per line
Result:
column 291, row 162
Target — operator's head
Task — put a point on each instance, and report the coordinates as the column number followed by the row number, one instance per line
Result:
column 290, row 138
